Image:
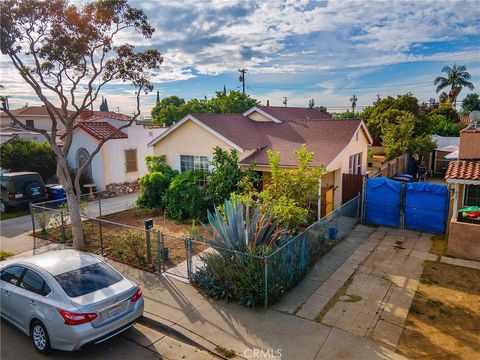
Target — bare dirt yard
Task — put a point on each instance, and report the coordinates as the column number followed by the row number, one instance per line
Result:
column 444, row 318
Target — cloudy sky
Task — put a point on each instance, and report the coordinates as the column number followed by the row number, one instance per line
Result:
column 325, row 50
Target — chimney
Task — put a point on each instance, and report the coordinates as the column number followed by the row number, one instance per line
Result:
column 268, row 103
column 84, row 115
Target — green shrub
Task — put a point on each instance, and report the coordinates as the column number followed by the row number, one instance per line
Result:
column 28, row 155
column 184, row 197
column 155, row 184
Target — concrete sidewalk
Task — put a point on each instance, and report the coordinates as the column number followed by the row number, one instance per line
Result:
column 217, row 323
column 14, row 233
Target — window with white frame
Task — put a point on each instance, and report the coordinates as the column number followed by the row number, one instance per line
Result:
column 355, row 164
column 472, row 195
column 193, row 162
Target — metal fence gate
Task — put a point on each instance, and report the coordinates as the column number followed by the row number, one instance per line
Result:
column 415, row 206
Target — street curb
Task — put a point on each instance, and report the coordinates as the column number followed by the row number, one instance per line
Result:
column 184, row 335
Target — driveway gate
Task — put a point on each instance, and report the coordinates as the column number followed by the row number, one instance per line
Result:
column 415, row 206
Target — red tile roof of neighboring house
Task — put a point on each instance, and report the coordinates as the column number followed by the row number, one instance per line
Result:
column 239, row 129
column 294, row 113
column 465, row 120
column 326, row 138
column 33, row 111
column 463, row 170
column 101, row 130
column 99, row 115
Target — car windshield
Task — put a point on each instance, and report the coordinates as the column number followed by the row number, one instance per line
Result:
column 87, row 279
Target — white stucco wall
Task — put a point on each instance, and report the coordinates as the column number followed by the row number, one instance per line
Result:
column 138, row 138
column 88, row 142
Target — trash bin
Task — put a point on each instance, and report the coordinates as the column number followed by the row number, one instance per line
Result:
column 332, row 233
column 56, row 192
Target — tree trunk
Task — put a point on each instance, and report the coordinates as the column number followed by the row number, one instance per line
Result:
column 73, row 204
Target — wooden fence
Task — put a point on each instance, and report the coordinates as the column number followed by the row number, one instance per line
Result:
column 389, row 169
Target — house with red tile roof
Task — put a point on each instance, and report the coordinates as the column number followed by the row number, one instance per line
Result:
column 31, row 116
column 464, row 176
column 338, row 145
column 121, row 158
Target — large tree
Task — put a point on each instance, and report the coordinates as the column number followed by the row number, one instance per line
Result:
column 471, row 103
column 67, row 53
column 457, row 78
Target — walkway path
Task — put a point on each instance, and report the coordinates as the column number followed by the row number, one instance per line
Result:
column 362, row 291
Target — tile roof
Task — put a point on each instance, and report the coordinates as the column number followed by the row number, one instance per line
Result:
column 100, row 130
column 294, row 113
column 463, row 170
column 239, row 129
column 98, row 115
column 32, row 111
column 326, row 138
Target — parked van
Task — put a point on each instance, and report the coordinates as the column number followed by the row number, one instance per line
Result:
column 18, row 189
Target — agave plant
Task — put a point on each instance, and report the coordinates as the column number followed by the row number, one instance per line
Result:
column 237, row 229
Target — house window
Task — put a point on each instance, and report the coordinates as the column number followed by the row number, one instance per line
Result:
column 472, row 195
column 131, row 160
column 30, row 124
column 355, row 164
column 191, row 162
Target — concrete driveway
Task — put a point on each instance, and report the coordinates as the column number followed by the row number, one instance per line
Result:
column 14, row 233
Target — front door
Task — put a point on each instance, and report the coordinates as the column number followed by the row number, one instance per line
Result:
column 327, row 202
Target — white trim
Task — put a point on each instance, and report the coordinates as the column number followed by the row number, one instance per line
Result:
column 341, row 153
column 199, row 123
column 463, row 181
column 264, row 113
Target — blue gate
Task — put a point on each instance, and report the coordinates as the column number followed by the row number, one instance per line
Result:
column 382, row 202
column 426, row 207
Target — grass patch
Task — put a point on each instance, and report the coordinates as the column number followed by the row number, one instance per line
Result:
column 5, row 254
column 434, row 303
column 228, row 353
column 331, row 303
column 439, row 245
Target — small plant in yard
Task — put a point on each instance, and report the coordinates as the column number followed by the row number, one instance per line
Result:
column 228, row 353
column 128, row 246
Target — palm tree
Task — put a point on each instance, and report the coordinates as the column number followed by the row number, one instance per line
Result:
column 353, row 100
column 457, row 78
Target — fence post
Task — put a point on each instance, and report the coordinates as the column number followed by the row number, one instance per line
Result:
column 100, row 224
column 265, row 259
column 359, row 204
column 63, row 227
column 188, row 248
column 159, row 251
column 33, row 226
column 149, row 247
column 364, row 195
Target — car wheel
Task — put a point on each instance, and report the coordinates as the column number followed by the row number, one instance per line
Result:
column 40, row 337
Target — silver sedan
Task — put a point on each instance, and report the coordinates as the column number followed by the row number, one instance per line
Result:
column 67, row 299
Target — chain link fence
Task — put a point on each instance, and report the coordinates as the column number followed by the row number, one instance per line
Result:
column 257, row 278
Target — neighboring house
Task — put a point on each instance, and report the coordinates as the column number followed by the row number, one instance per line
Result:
column 446, row 151
column 121, row 159
column 464, row 175
column 10, row 132
column 30, row 116
column 339, row 145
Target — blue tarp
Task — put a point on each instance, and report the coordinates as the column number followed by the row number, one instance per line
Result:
column 426, row 207
column 382, row 202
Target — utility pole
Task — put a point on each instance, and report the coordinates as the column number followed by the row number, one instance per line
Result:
column 242, row 78
column 285, row 101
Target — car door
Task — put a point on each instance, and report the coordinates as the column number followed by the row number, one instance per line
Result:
column 10, row 277
column 28, row 298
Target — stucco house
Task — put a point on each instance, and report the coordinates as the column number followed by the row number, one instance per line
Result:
column 339, row 145
column 464, row 176
column 121, row 159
